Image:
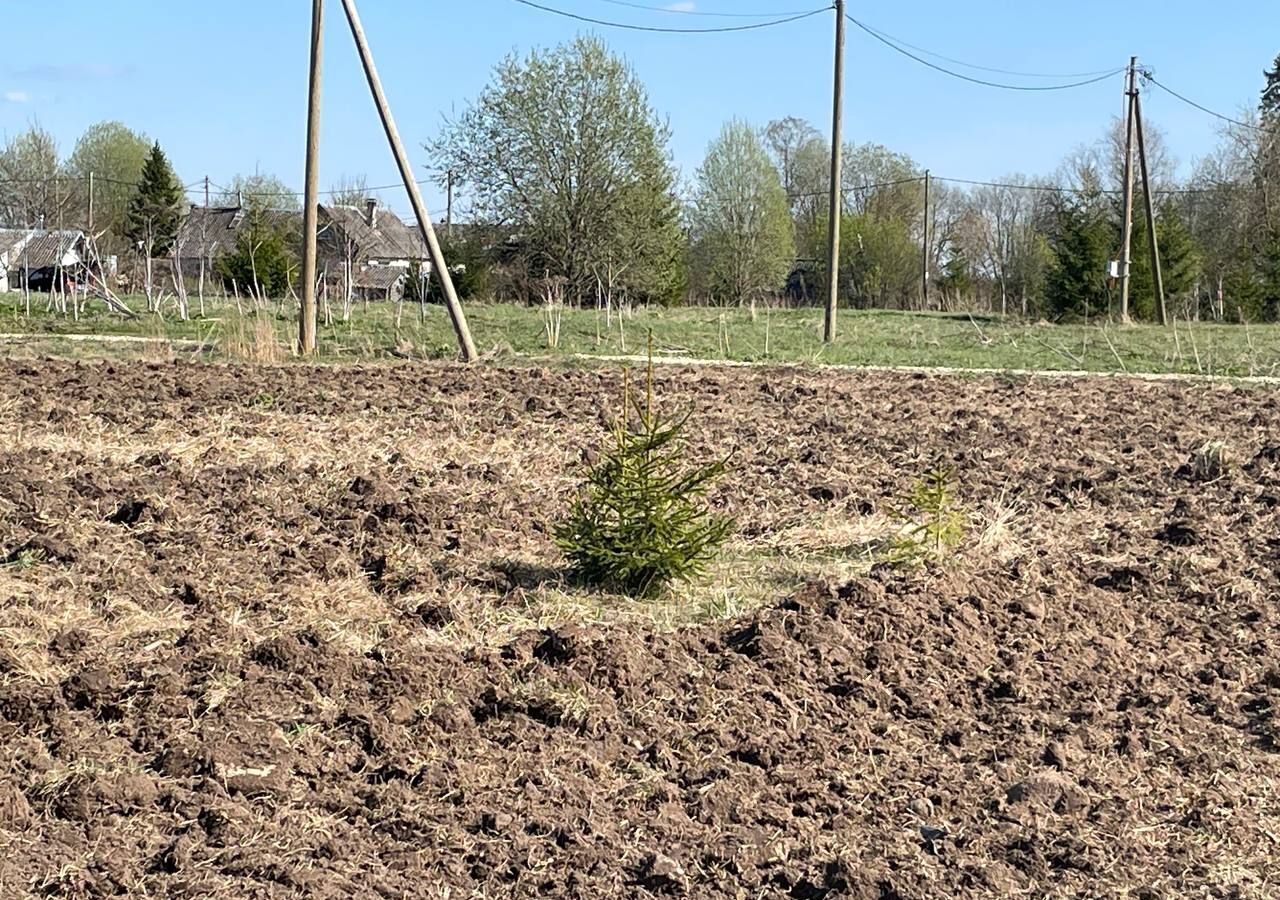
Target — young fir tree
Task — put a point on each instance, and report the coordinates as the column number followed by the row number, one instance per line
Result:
column 1179, row 257
column 1268, row 252
column 262, row 262
column 1270, row 105
column 1081, row 243
column 156, row 209
column 641, row 521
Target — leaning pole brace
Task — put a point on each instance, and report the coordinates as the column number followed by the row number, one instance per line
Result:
column 465, row 345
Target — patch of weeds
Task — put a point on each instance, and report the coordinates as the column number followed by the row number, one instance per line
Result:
column 933, row 523
column 262, row 400
column 302, row 732
column 641, row 522
column 26, row 559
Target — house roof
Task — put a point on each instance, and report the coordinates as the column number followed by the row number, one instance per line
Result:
column 378, row 278
column 211, row 231
column 389, row 238
column 39, row 249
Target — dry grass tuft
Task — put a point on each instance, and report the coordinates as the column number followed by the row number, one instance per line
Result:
column 1001, row 535
column 252, row 339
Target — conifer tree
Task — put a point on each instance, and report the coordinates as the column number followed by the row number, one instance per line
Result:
column 156, row 209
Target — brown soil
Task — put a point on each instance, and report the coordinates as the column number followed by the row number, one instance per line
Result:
column 262, row 635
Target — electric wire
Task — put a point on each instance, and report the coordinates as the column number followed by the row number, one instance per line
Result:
column 698, row 12
column 981, row 81
column 969, row 65
column 660, row 29
column 1150, row 79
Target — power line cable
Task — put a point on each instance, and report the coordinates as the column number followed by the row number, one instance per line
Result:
column 1059, row 189
column 823, row 195
column 1150, row 79
column 994, row 84
column 698, row 12
column 969, row 65
column 666, row 30
column 330, row 193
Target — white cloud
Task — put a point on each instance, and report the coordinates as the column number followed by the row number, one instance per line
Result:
column 682, row 7
column 17, row 97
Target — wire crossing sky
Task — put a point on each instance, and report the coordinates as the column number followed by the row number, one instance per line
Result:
column 223, row 87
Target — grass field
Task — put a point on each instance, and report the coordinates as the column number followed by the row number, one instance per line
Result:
column 870, row 338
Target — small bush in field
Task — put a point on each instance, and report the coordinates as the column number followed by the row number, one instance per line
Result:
column 641, row 522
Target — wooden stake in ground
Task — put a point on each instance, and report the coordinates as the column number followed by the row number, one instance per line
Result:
column 833, row 242
column 311, row 212
column 1126, row 255
column 1161, row 312
column 924, row 271
column 448, row 208
column 465, row 345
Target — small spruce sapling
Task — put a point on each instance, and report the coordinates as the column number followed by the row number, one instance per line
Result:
column 933, row 522
column 641, row 522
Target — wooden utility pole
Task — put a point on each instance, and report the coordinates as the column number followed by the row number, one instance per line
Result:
column 1157, row 274
column 311, row 211
column 89, row 223
column 1126, row 254
column 924, row 283
column 465, row 345
column 206, row 192
column 833, row 231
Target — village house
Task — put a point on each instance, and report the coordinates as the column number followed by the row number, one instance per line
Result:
column 208, row 233
column 40, row 258
column 369, row 253
column 364, row 253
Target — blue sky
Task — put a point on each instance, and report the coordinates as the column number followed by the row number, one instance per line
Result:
column 222, row 85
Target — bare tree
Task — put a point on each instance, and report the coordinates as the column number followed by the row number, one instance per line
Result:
column 786, row 140
column 349, row 190
column 30, row 193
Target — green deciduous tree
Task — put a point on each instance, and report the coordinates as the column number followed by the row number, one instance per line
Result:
column 115, row 156
column 879, row 261
column 810, row 181
column 564, row 149
column 786, row 139
column 740, row 224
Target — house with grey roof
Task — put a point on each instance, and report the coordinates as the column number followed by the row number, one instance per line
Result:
column 364, row 253
column 369, row 253
column 38, row 256
column 207, row 233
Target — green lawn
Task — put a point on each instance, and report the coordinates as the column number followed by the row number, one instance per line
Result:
column 873, row 338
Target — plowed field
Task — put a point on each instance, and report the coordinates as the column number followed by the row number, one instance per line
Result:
column 274, row 632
